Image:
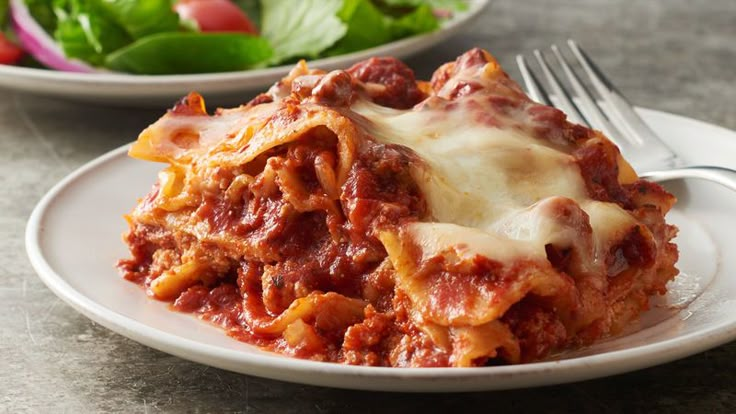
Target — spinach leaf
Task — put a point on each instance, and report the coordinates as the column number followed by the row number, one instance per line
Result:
column 186, row 52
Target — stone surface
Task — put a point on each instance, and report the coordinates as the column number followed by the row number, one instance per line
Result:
column 674, row 55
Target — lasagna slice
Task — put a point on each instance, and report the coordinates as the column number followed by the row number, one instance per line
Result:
column 363, row 217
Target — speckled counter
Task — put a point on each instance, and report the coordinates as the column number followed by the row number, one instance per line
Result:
column 672, row 55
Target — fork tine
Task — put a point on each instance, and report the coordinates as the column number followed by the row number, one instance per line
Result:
column 596, row 116
column 614, row 116
column 601, row 83
column 533, row 86
column 565, row 102
column 635, row 126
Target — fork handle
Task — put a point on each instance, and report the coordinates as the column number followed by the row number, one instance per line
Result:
column 723, row 176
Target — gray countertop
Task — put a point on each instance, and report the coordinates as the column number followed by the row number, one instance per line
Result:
column 673, row 55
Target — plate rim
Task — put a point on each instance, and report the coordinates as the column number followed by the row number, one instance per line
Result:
column 278, row 367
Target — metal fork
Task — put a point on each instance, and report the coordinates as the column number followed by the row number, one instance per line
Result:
column 615, row 117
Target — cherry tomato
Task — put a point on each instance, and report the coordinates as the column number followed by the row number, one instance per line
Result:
column 215, row 15
column 9, row 53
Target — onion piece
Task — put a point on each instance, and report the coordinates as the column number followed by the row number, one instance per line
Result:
column 34, row 39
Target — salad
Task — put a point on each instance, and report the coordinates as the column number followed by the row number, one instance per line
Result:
column 156, row 37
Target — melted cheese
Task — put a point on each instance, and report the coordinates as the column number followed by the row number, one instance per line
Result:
column 476, row 173
column 433, row 238
column 490, row 177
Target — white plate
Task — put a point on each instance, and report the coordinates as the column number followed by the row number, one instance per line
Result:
column 229, row 87
column 73, row 239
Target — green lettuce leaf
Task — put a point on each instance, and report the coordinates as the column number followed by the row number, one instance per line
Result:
column 421, row 20
column 368, row 26
column 456, row 5
column 140, row 18
column 187, row 52
column 4, row 5
column 86, row 32
column 43, row 12
column 301, row 28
